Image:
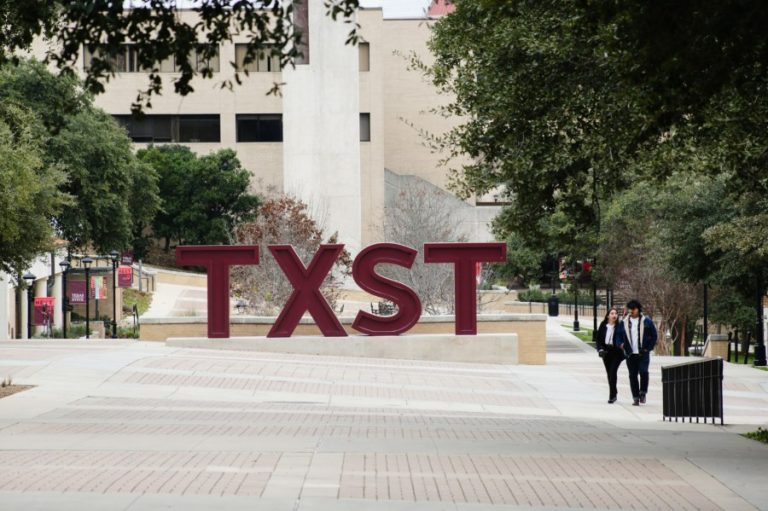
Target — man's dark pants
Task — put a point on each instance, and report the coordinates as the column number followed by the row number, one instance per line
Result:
column 612, row 360
column 638, row 364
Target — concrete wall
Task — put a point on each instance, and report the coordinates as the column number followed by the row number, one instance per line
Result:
column 321, row 129
column 530, row 330
column 482, row 348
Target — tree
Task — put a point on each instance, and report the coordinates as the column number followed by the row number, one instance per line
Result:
column 203, row 197
column 99, row 161
column 282, row 220
column 95, row 154
column 157, row 32
column 30, row 194
column 418, row 214
column 542, row 118
column 567, row 104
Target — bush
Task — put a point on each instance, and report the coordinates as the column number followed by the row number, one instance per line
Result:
column 141, row 299
column 537, row 295
column 761, row 435
column 533, row 295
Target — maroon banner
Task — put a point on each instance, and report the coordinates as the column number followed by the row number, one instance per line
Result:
column 126, row 258
column 125, row 276
column 44, row 310
column 76, row 292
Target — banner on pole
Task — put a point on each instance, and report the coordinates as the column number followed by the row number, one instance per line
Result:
column 124, row 276
column 44, row 307
column 76, row 292
column 98, row 288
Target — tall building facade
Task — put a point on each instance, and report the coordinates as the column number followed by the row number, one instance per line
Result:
column 349, row 121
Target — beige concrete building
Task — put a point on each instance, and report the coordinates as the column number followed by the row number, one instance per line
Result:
column 346, row 126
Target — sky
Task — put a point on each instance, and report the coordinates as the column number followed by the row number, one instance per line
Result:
column 399, row 8
column 391, row 8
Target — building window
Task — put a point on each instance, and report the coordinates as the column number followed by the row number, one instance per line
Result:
column 259, row 128
column 199, row 128
column 264, row 61
column 172, row 128
column 127, row 61
column 149, row 128
column 365, row 127
column 365, row 56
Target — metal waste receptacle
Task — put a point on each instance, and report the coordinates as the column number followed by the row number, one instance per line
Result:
column 554, row 306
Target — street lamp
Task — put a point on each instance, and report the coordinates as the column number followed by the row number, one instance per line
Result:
column 30, row 278
column 87, row 262
column 760, row 358
column 64, row 299
column 114, row 255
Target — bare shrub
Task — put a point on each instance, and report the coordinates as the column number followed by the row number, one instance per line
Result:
column 281, row 220
column 420, row 214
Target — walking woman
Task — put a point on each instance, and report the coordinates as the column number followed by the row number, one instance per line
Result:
column 609, row 350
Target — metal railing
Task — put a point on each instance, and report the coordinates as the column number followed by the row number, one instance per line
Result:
column 693, row 389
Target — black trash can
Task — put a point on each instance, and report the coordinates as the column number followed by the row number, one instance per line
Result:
column 554, row 306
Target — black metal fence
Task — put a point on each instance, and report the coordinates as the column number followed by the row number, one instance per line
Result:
column 738, row 346
column 693, row 389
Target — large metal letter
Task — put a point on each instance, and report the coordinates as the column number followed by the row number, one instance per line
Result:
column 218, row 259
column 408, row 303
column 306, row 294
column 464, row 256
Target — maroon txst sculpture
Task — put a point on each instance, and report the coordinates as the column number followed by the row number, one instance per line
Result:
column 306, row 282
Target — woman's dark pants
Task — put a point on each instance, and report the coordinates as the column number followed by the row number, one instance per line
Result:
column 612, row 360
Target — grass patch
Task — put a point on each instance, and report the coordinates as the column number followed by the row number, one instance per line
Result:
column 585, row 334
column 761, row 435
column 750, row 360
column 141, row 299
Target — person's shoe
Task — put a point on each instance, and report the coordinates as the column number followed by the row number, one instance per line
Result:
column 611, row 400
column 642, row 398
column 636, row 402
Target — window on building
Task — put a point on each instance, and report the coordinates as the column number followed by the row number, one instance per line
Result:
column 127, row 61
column 199, row 128
column 149, row 128
column 365, row 127
column 172, row 128
column 365, row 56
column 200, row 62
column 263, row 63
column 259, row 128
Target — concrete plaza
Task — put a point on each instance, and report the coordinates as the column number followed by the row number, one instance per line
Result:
column 138, row 425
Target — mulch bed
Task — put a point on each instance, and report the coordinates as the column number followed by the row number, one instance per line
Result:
column 12, row 389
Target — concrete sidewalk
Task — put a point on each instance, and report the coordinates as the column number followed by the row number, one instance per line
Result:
column 137, row 425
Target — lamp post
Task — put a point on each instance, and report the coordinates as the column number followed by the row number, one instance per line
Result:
column 114, row 256
column 64, row 298
column 87, row 262
column 760, row 358
column 30, row 278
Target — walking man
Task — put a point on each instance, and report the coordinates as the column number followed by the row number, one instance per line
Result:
column 637, row 337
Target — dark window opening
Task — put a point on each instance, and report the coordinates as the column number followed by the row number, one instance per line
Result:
column 365, row 127
column 172, row 128
column 260, row 128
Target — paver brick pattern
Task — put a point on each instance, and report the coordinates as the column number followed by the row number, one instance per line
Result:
column 262, row 426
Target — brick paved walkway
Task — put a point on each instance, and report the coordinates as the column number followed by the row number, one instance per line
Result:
column 117, row 425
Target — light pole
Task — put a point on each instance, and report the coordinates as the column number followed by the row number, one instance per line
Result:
column 64, row 299
column 760, row 358
column 114, row 255
column 87, row 262
column 30, row 278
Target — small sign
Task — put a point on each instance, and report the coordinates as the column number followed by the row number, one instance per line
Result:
column 126, row 258
column 125, row 276
column 98, row 288
column 77, row 292
column 44, row 308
